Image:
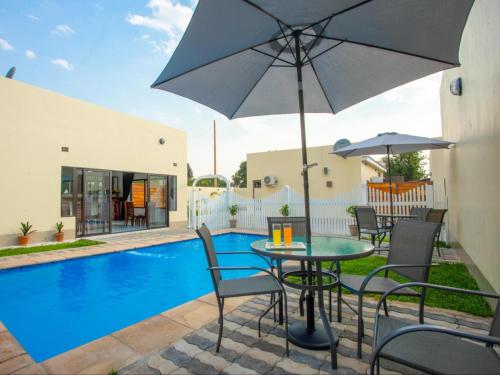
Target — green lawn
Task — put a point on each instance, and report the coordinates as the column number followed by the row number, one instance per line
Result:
column 450, row 274
column 38, row 249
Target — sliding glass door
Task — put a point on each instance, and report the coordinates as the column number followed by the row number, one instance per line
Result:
column 157, row 204
column 96, row 200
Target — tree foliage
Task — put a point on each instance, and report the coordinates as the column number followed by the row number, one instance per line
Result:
column 190, row 175
column 209, row 182
column 408, row 165
column 239, row 179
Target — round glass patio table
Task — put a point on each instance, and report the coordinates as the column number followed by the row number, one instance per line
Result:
column 322, row 248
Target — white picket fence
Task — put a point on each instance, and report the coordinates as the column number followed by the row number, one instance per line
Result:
column 328, row 216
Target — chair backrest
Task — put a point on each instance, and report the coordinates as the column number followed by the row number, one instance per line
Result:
column 495, row 324
column 420, row 213
column 366, row 218
column 412, row 242
column 298, row 225
column 435, row 215
column 129, row 208
column 204, row 233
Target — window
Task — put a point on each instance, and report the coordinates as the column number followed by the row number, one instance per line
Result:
column 172, row 193
column 67, row 192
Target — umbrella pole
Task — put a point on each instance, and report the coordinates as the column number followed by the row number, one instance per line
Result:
column 390, row 184
column 305, row 172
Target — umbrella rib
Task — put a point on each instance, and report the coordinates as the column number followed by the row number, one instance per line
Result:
column 387, row 49
column 286, row 40
column 345, row 10
column 154, row 85
column 265, row 12
column 253, row 86
column 272, row 56
column 317, row 37
column 317, row 78
column 310, row 59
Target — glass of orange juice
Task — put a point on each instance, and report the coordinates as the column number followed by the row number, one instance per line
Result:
column 287, row 234
column 277, row 234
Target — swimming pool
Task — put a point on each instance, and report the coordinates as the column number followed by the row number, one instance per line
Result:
column 55, row 307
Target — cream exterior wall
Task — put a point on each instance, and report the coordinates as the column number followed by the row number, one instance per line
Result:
column 36, row 123
column 471, row 170
column 346, row 174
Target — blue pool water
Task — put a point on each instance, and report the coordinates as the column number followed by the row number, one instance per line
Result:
column 55, row 307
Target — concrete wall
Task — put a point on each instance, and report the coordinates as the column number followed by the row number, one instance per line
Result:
column 36, row 123
column 471, row 170
column 345, row 174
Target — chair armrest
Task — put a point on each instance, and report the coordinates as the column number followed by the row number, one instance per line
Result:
column 387, row 267
column 490, row 340
column 245, row 268
column 427, row 286
column 245, row 252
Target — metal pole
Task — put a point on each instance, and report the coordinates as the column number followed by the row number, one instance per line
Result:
column 303, row 137
column 390, row 184
column 215, row 156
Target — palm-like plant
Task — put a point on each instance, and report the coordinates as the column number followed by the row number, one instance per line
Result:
column 285, row 210
column 59, row 227
column 25, row 228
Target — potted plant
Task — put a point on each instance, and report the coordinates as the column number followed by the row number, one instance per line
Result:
column 285, row 210
column 353, row 228
column 233, row 210
column 25, row 229
column 59, row 234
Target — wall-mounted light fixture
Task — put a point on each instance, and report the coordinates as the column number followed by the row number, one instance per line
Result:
column 161, row 140
column 456, row 86
column 325, row 170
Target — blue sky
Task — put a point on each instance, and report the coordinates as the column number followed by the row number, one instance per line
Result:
column 109, row 52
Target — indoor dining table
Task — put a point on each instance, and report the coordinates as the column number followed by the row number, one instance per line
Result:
column 321, row 249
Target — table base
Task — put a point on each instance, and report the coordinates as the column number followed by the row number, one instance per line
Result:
column 316, row 339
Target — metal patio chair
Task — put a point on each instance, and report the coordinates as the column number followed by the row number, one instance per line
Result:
column 420, row 213
column 366, row 220
column 435, row 349
column 299, row 233
column 436, row 216
column 410, row 256
column 243, row 286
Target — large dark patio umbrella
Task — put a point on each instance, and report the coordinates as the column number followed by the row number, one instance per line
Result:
column 391, row 143
column 261, row 57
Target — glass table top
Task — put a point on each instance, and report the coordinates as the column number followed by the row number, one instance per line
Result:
column 321, row 248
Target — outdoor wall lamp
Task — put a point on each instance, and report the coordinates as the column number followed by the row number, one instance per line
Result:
column 456, row 86
column 161, row 140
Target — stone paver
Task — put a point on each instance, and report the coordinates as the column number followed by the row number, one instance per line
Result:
column 243, row 352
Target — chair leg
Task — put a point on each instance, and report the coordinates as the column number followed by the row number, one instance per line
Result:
column 301, row 302
column 274, row 310
column 287, row 349
column 339, row 303
column 360, row 326
column 421, row 308
column 330, row 305
column 273, row 305
column 386, row 311
column 439, row 250
column 221, row 322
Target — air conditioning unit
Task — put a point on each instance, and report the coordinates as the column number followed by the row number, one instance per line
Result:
column 270, row 180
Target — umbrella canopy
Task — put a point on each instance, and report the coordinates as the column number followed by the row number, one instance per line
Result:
column 265, row 57
column 392, row 143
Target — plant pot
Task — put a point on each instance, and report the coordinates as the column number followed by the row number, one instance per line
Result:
column 232, row 223
column 353, row 229
column 59, row 236
column 23, row 240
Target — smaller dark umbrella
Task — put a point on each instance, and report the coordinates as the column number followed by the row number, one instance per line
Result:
column 391, row 143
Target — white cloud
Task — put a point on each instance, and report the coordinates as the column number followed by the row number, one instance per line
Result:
column 65, row 64
column 5, row 45
column 166, row 16
column 30, row 54
column 63, row 30
column 33, row 18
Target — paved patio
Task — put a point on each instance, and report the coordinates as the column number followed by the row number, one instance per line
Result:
column 243, row 352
